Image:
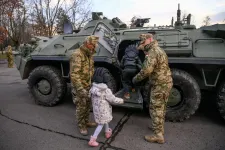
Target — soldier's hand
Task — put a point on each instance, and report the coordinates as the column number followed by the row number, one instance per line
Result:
column 84, row 93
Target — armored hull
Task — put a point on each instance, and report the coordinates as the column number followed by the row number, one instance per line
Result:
column 196, row 58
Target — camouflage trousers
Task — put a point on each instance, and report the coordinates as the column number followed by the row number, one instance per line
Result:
column 158, row 104
column 10, row 63
column 83, row 107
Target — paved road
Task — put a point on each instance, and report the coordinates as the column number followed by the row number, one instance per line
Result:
column 25, row 125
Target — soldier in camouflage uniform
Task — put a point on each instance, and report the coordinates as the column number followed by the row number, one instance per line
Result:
column 157, row 69
column 9, row 55
column 81, row 73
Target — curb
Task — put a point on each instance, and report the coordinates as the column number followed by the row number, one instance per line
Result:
column 3, row 61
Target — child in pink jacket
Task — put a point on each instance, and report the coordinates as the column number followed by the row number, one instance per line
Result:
column 101, row 97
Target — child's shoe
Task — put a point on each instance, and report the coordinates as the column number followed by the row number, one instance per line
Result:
column 108, row 133
column 93, row 142
column 127, row 95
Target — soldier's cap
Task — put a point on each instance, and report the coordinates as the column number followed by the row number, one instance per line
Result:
column 91, row 38
column 143, row 37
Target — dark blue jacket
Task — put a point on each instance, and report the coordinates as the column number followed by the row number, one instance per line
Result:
column 131, row 58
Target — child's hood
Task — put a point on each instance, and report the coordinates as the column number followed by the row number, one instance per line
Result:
column 100, row 86
column 131, row 51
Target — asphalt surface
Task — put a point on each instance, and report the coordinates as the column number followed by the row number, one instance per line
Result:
column 25, row 125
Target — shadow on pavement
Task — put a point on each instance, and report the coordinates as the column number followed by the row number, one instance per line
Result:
column 208, row 108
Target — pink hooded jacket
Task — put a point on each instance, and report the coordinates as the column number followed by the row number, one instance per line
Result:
column 101, row 97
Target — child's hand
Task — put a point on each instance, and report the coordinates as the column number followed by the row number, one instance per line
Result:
column 98, row 93
column 121, row 101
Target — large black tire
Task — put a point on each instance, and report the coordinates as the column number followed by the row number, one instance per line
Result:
column 190, row 96
column 54, row 82
column 221, row 100
column 108, row 78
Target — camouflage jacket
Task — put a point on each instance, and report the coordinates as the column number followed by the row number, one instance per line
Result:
column 155, row 66
column 9, row 53
column 81, row 69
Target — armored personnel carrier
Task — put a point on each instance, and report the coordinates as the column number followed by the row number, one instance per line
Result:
column 196, row 57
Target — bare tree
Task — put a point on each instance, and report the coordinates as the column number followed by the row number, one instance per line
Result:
column 206, row 21
column 21, row 19
column 11, row 22
column 62, row 18
column 79, row 12
column 15, row 21
column 3, row 36
column 4, row 6
column 44, row 14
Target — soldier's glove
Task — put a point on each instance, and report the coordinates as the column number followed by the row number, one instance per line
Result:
column 84, row 94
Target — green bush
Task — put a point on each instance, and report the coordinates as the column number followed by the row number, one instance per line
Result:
column 3, row 56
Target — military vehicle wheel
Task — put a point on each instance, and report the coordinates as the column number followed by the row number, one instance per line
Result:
column 221, row 100
column 184, row 99
column 108, row 78
column 46, row 85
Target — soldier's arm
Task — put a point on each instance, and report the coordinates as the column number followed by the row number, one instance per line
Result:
column 92, row 69
column 148, row 67
column 75, row 63
column 139, row 63
column 121, row 64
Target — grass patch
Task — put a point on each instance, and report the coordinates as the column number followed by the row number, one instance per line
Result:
column 2, row 56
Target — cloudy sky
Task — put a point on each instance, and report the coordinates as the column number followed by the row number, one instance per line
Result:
column 161, row 11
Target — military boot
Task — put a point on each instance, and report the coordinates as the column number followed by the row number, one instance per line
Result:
column 83, row 132
column 155, row 139
column 151, row 128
